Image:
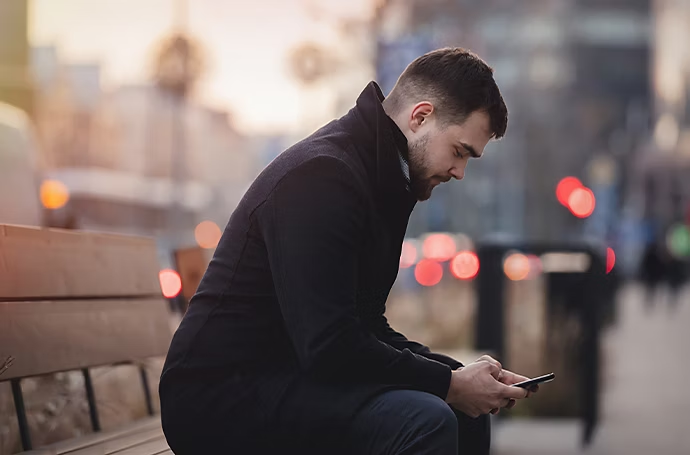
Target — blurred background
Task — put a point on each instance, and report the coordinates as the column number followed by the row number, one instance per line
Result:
column 565, row 249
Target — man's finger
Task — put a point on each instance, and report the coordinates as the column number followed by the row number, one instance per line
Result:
column 510, row 378
column 488, row 358
column 516, row 393
column 511, row 403
column 493, row 369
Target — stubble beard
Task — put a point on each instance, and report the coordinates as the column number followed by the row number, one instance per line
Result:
column 420, row 185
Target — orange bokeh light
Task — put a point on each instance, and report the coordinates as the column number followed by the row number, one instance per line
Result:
column 465, row 265
column 582, row 202
column 171, row 283
column 408, row 255
column 516, row 267
column 565, row 188
column 610, row 259
column 54, row 194
column 428, row 272
column 207, row 234
column 439, row 247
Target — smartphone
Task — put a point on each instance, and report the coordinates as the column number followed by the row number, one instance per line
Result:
column 534, row 381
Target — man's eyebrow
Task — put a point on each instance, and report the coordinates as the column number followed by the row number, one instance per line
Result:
column 471, row 149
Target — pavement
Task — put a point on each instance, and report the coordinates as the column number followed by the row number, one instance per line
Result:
column 646, row 392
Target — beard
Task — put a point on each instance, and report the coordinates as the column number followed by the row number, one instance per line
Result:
column 420, row 185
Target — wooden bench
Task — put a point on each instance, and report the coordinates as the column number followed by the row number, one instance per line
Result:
column 74, row 300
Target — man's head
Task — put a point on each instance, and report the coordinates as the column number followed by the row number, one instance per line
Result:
column 448, row 106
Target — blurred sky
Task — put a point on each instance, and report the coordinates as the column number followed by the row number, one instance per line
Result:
column 246, row 42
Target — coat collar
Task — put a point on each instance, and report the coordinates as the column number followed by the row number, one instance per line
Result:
column 380, row 143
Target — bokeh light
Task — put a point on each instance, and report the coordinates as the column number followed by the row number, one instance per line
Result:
column 428, row 272
column 439, row 247
column 207, row 234
column 610, row 259
column 678, row 241
column 465, row 265
column 516, row 266
column 582, row 202
column 408, row 255
column 171, row 283
column 565, row 188
column 54, row 194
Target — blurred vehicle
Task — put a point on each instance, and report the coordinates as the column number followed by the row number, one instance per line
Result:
column 19, row 169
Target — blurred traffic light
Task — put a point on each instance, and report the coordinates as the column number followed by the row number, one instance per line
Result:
column 54, row 194
column 576, row 197
column 465, row 265
column 428, row 272
column 582, row 202
column 207, row 234
column 678, row 241
column 439, row 247
column 610, row 259
column 565, row 188
column 516, row 266
column 171, row 283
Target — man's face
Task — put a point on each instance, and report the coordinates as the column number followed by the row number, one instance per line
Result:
column 439, row 154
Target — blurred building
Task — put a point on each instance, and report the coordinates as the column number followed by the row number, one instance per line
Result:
column 135, row 160
column 575, row 77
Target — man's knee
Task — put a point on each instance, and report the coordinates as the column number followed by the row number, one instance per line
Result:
column 434, row 428
column 437, row 416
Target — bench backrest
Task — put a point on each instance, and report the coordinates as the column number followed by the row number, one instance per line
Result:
column 71, row 300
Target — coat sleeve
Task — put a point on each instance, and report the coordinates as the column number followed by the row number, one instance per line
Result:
column 388, row 335
column 312, row 225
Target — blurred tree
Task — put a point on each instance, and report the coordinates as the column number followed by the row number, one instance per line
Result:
column 310, row 63
column 179, row 63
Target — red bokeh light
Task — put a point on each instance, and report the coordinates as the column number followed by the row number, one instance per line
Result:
column 610, row 259
column 171, row 283
column 582, row 202
column 465, row 265
column 428, row 272
column 408, row 255
column 565, row 188
column 516, row 267
column 439, row 247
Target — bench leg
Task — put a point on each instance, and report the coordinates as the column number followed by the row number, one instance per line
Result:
column 21, row 414
column 91, row 398
column 147, row 390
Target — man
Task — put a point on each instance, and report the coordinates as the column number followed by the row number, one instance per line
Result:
column 285, row 347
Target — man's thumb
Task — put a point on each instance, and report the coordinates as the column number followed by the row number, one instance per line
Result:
column 517, row 393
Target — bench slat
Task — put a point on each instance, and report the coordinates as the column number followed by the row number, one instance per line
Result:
column 52, row 336
column 40, row 263
column 142, row 426
column 147, row 448
column 120, row 443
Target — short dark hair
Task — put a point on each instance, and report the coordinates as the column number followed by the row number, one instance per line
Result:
column 458, row 82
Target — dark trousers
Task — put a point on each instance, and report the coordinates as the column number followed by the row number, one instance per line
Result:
column 397, row 422
column 406, row 422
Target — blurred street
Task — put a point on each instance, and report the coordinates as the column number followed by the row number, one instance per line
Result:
column 645, row 402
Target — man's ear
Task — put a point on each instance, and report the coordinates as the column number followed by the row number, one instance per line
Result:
column 420, row 115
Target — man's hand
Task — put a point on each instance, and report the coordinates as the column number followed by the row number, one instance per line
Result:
column 476, row 389
column 510, row 378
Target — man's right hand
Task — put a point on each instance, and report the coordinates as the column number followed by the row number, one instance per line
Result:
column 475, row 389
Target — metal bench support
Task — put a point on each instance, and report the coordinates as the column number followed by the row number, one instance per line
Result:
column 21, row 414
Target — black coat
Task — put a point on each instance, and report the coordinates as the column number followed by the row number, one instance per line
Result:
column 291, row 309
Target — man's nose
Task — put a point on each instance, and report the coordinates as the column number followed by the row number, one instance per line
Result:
column 458, row 173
